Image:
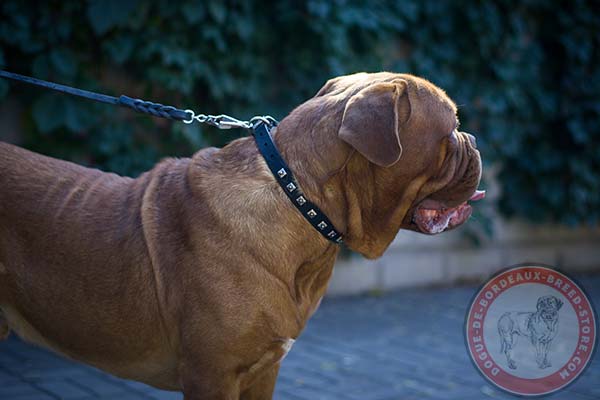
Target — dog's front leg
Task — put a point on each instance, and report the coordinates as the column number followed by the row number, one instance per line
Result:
column 545, row 348
column 216, row 390
column 206, row 381
column 539, row 353
column 263, row 387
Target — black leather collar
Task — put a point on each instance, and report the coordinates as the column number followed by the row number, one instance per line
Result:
column 284, row 176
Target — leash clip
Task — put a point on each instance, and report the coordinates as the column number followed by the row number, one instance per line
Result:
column 220, row 121
column 227, row 122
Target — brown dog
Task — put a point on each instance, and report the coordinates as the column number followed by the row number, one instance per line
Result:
column 198, row 275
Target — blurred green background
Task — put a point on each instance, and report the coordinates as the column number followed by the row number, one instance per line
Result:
column 525, row 75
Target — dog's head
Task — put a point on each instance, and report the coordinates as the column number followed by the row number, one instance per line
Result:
column 406, row 164
column 548, row 307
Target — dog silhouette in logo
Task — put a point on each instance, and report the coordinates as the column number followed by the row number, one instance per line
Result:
column 540, row 327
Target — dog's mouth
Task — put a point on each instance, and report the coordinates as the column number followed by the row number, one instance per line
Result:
column 433, row 217
column 549, row 315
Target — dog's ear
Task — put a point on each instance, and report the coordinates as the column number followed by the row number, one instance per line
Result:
column 559, row 304
column 373, row 119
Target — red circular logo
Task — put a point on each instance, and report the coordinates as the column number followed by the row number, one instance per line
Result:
column 531, row 330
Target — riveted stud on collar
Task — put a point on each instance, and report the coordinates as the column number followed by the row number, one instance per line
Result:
column 284, row 176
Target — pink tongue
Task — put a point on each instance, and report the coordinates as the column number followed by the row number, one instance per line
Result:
column 442, row 223
column 478, row 195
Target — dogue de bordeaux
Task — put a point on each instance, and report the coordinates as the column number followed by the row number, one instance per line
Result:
column 540, row 327
column 198, row 275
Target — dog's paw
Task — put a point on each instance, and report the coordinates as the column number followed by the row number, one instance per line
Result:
column 512, row 365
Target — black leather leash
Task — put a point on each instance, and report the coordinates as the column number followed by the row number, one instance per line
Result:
column 146, row 107
column 259, row 126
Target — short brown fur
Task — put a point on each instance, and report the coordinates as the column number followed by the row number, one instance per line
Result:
column 193, row 276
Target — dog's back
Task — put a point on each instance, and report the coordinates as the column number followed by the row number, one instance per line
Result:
column 514, row 322
column 60, row 212
column 40, row 187
column 72, row 239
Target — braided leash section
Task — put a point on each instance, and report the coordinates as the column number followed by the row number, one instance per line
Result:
column 155, row 109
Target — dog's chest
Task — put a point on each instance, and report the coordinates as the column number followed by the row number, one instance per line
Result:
column 25, row 330
column 286, row 347
column 275, row 353
column 543, row 329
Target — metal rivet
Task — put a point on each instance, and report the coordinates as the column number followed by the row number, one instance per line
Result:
column 290, row 187
column 300, row 200
column 281, row 173
column 331, row 234
column 312, row 213
column 339, row 240
column 322, row 225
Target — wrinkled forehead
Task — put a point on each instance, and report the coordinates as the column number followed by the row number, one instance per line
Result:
column 427, row 100
column 434, row 104
column 547, row 300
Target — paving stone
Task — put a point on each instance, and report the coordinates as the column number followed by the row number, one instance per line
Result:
column 6, row 378
column 63, row 389
column 98, row 385
column 134, row 385
column 287, row 394
column 402, row 345
column 120, row 396
column 36, row 396
column 164, row 395
column 7, row 359
column 17, row 389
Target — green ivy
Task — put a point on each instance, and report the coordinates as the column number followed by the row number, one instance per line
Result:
column 525, row 75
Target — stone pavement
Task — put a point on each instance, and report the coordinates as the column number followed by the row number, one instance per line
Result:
column 401, row 345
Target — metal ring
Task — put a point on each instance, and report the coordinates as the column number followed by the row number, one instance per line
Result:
column 189, row 121
column 266, row 119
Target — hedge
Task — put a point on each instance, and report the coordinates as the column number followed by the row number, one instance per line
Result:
column 525, row 74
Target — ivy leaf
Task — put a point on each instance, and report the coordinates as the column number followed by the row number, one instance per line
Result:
column 193, row 12
column 217, row 10
column 3, row 88
column 120, row 48
column 64, row 62
column 39, row 67
column 3, row 82
column 107, row 14
column 49, row 112
column 78, row 115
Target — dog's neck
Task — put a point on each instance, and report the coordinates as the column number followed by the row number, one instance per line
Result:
column 353, row 193
column 262, row 223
